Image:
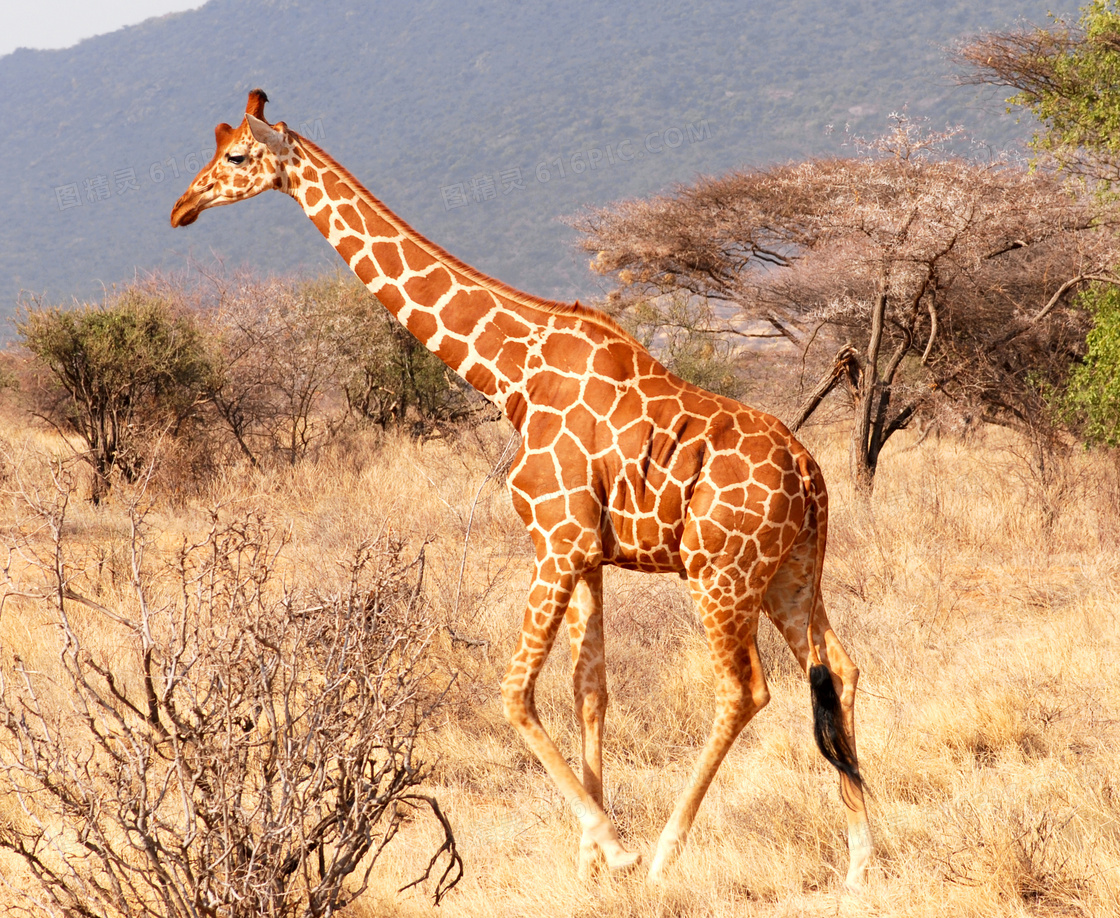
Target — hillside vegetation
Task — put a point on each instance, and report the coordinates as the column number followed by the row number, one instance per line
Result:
column 481, row 123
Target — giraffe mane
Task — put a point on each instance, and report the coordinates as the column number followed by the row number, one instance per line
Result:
column 495, row 286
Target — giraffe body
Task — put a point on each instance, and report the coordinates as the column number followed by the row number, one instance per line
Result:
column 621, row 463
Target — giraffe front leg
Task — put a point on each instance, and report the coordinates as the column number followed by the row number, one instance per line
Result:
column 589, row 686
column 548, row 602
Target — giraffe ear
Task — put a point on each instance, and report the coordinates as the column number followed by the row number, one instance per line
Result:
column 264, row 133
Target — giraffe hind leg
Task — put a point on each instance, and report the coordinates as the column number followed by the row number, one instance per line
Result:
column 794, row 604
column 741, row 693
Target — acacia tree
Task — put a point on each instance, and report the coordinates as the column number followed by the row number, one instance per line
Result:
column 939, row 283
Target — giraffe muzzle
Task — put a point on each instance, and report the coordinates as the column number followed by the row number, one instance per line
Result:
column 190, row 205
column 184, row 213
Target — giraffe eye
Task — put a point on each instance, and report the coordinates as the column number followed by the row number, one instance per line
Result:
column 235, row 158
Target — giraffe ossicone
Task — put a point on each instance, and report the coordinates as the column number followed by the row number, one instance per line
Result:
column 621, row 463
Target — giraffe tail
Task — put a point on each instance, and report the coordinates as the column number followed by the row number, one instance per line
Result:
column 816, row 518
column 828, row 729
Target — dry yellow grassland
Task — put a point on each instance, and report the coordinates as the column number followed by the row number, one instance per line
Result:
column 980, row 598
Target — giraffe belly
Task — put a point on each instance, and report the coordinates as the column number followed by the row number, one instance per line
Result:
column 642, row 530
column 659, row 561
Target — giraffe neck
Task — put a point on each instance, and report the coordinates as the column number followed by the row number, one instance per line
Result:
column 487, row 332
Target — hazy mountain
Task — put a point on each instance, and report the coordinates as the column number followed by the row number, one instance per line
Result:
column 459, row 115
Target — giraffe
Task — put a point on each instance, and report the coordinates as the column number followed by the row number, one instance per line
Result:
column 621, row 463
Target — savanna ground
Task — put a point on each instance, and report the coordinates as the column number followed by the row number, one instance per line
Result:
column 979, row 594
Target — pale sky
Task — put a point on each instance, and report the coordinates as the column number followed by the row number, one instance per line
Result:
column 62, row 23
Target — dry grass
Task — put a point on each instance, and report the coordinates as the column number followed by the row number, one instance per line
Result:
column 980, row 598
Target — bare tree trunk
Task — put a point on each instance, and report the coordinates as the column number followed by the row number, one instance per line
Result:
column 864, row 454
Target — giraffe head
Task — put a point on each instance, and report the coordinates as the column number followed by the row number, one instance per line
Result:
column 249, row 159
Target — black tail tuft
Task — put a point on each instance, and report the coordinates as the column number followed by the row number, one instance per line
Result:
column 828, row 729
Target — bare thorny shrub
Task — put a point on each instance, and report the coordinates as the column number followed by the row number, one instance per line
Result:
column 214, row 742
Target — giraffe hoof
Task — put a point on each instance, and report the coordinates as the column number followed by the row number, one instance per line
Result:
column 658, row 873
column 668, row 850
column 591, row 860
column 622, row 861
column 855, row 885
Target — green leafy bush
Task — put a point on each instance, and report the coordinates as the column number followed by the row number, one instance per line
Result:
column 1093, row 397
column 117, row 375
